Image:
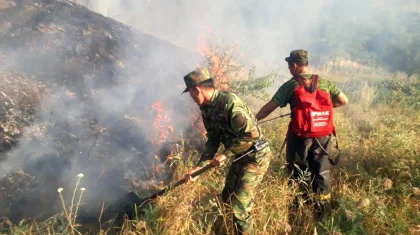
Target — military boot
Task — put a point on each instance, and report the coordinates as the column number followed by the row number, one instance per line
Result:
column 322, row 206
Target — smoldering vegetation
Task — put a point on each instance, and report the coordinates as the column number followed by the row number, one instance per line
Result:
column 82, row 93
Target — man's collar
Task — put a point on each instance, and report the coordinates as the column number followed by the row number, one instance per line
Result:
column 306, row 75
column 213, row 99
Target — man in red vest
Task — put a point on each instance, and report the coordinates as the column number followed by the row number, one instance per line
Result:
column 311, row 101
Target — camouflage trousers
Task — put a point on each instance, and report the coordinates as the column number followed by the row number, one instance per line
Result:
column 241, row 181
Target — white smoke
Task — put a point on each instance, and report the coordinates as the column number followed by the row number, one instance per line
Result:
column 265, row 30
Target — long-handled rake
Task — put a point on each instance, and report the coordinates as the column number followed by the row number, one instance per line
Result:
column 129, row 203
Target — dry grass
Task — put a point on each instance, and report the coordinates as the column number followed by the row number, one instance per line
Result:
column 375, row 186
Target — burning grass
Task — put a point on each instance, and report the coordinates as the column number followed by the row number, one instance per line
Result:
column 110, row 175
column 376, row 185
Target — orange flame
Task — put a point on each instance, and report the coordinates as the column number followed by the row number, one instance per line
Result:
column 211, row 53
column 70, row 93
column 221, row 63
column 161, row 122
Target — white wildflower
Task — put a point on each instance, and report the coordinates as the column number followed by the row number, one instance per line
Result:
column 416, row 191
column 365, row 203
column 80, row 175
column 59, row 190
column 387, row 183
column 82, row 189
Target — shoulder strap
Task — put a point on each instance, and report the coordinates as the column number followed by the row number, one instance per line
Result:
column 301, row 81
column 314, row 82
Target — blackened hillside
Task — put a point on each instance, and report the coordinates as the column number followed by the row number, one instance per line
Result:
column 77, row 95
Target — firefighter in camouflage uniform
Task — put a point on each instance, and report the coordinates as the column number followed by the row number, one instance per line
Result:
column 229, row 121
column 307, row 151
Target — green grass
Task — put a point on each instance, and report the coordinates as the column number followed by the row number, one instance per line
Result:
column 373, row 186
column 379, row 142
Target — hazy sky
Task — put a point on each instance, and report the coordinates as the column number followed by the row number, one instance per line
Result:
column 266, row 30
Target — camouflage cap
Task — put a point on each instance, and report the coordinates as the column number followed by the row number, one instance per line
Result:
column 196, row 77
column 298, row 56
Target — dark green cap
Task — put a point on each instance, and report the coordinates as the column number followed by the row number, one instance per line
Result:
column 298, row 56
column 196, row 77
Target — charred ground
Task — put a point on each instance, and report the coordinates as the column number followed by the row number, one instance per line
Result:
column 76, row 95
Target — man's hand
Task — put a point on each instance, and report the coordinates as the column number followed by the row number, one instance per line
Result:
column 188, row 177
column 219, row 160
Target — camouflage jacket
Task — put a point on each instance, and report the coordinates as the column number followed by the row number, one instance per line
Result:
column 229, row 121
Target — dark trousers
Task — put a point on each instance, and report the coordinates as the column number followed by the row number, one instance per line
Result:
column 306, row 155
